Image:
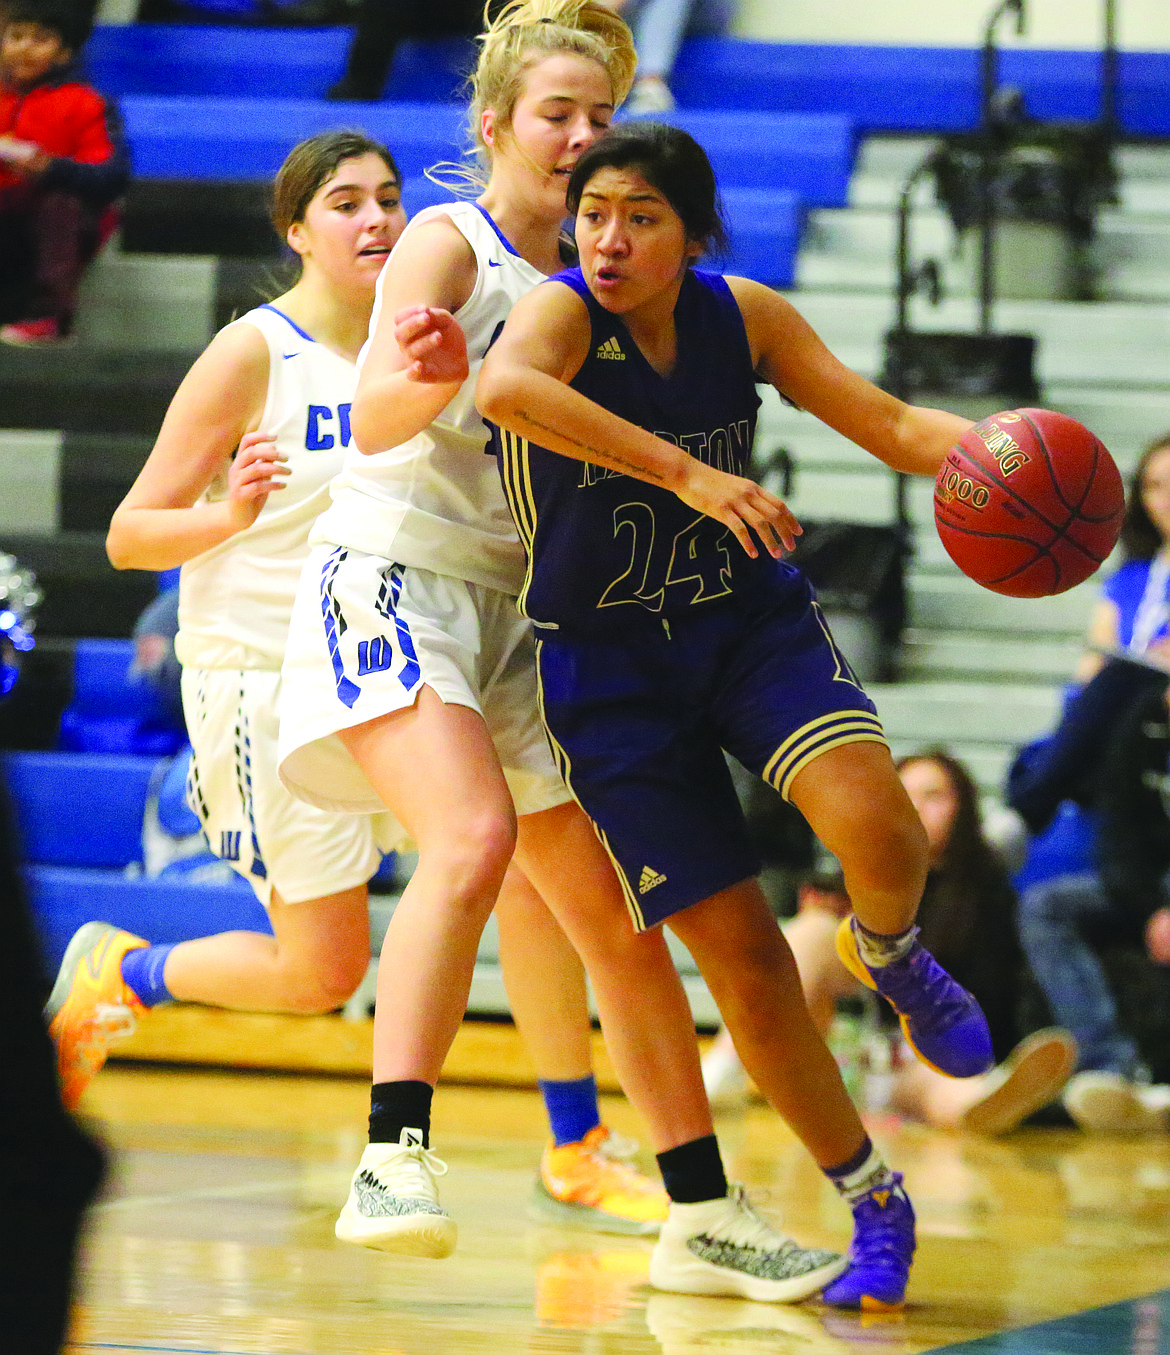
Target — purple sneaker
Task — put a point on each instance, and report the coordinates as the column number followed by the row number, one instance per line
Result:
column 882, row 1250
column 941, row 1021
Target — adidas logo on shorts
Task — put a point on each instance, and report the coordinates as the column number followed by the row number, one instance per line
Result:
column 611, row 349
column 650, row 880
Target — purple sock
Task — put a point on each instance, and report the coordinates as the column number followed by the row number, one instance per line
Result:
column 142, row 972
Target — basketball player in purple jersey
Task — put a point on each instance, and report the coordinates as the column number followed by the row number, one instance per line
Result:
column 624, row 394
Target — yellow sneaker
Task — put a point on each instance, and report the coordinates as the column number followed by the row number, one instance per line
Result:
column 591, row 1185
column 90, row 1006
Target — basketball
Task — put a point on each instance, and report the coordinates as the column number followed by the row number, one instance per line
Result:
column 1028, row 503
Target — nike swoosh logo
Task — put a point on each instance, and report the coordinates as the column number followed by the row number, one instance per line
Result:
column 494, row 263
column 288, row 355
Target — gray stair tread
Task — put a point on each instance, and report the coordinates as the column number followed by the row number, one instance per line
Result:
column 938, row 655
column 991, row 712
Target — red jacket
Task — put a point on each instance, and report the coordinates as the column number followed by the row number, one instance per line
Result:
column 77, row 127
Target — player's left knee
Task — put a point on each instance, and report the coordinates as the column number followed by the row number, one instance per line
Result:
column 891, row 856
column 313, row 992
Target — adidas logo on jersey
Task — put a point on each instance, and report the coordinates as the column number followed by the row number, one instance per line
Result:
column 611, row 349
column 650, row 879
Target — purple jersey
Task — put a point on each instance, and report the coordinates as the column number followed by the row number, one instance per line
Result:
column 606, row 550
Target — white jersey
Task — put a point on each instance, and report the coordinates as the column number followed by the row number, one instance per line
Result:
column 435, row 502
column 236, row 598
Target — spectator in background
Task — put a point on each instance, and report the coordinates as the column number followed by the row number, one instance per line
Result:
column 1127, row 658
column 966, row 919
column 1064, row 921
column 382, row 24
column 1109, row 754
column 63, row 163
column 659, row 28
column 155, row 661
column 1133, row 614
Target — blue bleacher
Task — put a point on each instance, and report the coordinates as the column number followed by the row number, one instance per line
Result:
column 112, row 709
column 200, row 61
column 765, row 234
column 181, row 137
column 79, row 825
column 811, row 154
column 915, row 89
column 927, row 89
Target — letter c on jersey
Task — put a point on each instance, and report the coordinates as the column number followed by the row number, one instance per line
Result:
column 316, row 438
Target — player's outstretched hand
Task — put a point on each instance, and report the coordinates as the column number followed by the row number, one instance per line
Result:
column 742, row 505
column 432, row 341
column 256, row 470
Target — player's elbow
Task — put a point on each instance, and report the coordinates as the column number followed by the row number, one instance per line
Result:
column 495, row 393
column 364, row 425
column 118, row 545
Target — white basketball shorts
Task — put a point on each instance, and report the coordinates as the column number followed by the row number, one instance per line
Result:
column 366, row 636
column 274, row 840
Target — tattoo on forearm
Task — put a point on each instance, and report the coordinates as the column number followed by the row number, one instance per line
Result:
column 594, row 453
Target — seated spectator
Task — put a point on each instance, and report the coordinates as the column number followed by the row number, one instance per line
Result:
column 155, row 662
column 62, row 164
column 1065, row 921
column 1108, row 753
column 659, row 28
column 1133, row 614
column 967, row 914
column 382, row 24
column 1127, row 658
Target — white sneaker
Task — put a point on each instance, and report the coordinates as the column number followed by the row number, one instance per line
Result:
column 1031, row 1076
column 1108, row 1103
column 393, row 1203
column 725, row 1247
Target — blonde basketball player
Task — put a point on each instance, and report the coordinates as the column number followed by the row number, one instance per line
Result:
column 409, row 682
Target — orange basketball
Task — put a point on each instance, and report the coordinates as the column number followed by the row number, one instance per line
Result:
column 1028, row 503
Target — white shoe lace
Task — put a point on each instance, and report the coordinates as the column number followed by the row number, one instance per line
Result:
column 411, row 1171
column 746, row 1228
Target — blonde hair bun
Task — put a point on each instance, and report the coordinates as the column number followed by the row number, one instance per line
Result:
column 528, row 29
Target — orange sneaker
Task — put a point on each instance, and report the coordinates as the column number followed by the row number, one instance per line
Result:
column 90, row 1006
column 591, row 1185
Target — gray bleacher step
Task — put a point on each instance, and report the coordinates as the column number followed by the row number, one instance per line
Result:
column 883, row 164
column 1126, row 420
column 488, row 996
column 949, row 601
column 1084, row 343
column 147, row 302
column 854, row 250
column 996, row 713
column 929, row 655
column 30, row 470
column 89, row 388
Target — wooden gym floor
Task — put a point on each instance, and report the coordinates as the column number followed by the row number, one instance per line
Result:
column 215, row 1235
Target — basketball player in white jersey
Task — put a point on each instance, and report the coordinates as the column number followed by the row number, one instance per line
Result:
column 409, row 683
column 279, row 383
